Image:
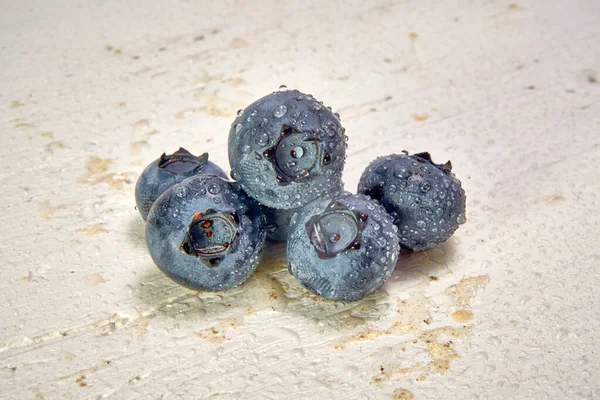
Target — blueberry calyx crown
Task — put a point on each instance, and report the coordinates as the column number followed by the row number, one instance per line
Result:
column 210, row 235
column 182, row 162
column 336, row 230
column 294, row 157
column 425, row 156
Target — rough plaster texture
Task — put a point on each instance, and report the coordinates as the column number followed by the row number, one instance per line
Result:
column 507, row 309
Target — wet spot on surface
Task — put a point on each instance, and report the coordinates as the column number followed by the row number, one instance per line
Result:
column 16, row 104
column 93, row 280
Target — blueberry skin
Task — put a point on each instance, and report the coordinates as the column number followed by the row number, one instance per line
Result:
column 168, row 170
column 342, row 249
column 425, row 199
column 205, row 233
column 287, row 149
column 277, row 222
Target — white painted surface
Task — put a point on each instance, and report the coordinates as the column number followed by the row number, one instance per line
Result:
column 92, row 91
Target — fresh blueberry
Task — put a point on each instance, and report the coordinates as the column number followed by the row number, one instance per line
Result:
column 277, row 222
column 425, row 199
column 342, row 249
column 167, row 171
column 287, row 149
column 205, row 233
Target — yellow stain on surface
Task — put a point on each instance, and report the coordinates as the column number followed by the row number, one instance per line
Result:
column 461, row 316
column 93, row 230
column 420, row 117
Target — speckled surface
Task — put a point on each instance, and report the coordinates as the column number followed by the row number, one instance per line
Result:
column 507, row 309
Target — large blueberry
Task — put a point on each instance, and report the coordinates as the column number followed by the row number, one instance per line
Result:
column 205, row 233
column 168, row 170
column 425, row 199
column 287, row 149
column 342, row 249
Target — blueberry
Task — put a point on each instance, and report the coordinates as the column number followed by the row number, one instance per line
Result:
column 425, row 199
column 287, row 149
column 342, row 249
column 277, row 222
column 205, row 233
column 167, row 171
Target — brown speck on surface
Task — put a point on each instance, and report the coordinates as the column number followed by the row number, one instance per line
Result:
column 413, row 35
column 387, row 60
column 214, row 31
column 592, row 77
column 462, row 316
column 420, row 117
column 403, row 394
column 199, row 38
column 569, row 91
column 52, row 146
column 81, row 381
column 13, row 369
column 531, row 87
column 513, row 6
column 21, row 123
column 238, row 43
column 48, row 134
column 117, row 52
column 16, row 104
column 433, row 278
column 121, row 104
column 109, row 47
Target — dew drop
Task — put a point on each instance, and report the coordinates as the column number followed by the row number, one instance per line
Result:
column 181, row 191
column 291, row 164
column 214, row 188
column 238, row 128
column 425, row 187
column 421, row 224
column 280, row 111
column 282, row 88
column 317, row 106
column 262, row 139
column 240, row 113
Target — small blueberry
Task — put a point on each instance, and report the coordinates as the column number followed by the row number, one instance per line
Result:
column 205, row 233
column 342, row 249
column 425, row 199
column 168, row 170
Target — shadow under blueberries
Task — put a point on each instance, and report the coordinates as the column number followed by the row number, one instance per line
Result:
column 412, row 268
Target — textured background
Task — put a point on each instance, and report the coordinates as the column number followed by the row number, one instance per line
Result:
column 90, row 92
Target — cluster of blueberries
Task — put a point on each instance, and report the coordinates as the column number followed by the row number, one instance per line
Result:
column 287, row 152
